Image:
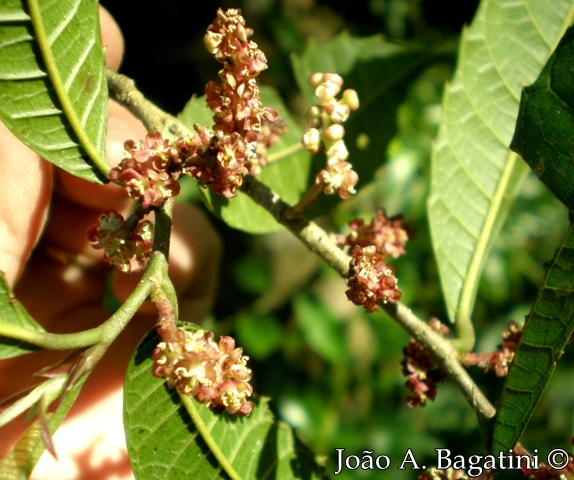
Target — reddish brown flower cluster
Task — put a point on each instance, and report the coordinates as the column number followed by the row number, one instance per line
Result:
column 389, row 235
column 370, row 279
column 505, row 352
column 215, row 374
column 421, row 369
column 149, row 171
column 218, row 159
column 502, row 357
column 235, row 101
column 546, row 472
column 325, row 132
column 123, row 246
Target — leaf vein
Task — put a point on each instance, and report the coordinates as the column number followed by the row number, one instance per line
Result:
column 61, row 26
column 73, row 73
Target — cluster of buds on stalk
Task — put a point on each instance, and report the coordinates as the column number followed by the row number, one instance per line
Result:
column 125, row 246
column 370, row 279
column 149, row 171
column 235, row 101
column 388, row 235
column 215, row 374
column 421, row 369
column 325, row 132
column 219, row 157
column 499, row 360
column 545, row 471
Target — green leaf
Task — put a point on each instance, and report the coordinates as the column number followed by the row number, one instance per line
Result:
column 13, row 313
column 322, row 330
column 381, row 72
column 252, row 274
column 53, row 90
column 163, row 442
column 196, row 111
column 548, row 328
column 50, row 390
column 544, row 134
column 260, row 334
column 544, row 139
column 22, row 459
column 474, row 176
column 286, row 175
column 13, row 465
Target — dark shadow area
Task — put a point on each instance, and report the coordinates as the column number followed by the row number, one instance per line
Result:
column 146, row 347
column 267, row 468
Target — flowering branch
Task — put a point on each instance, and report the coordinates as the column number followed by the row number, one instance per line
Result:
column 315, row 238
column 318, row 241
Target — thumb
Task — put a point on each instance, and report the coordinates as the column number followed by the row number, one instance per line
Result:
column 25, row 199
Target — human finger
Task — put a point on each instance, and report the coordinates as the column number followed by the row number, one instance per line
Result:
column 24, row 198
column 112, row 39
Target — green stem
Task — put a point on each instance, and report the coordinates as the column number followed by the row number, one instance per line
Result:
column 154, row 278
column 105, row 333
column 306, row 200
column 284, row 153
column 208, row 438
column 163, row 226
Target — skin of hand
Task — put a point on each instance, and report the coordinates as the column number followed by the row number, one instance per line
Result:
column 44, row 215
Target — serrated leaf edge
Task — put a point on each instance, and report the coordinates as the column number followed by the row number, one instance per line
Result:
column 527, row 415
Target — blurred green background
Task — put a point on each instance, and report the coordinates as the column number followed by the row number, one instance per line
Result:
column 334, row 372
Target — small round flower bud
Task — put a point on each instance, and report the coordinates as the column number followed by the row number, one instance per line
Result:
column 312, row 140
column 334, row 132
column 326, row 92
column 212, row 40
column 337, row 152
column 315, row 79
column 313, row 117
column 339, row 112
column 333, row 78
column 351, row 98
